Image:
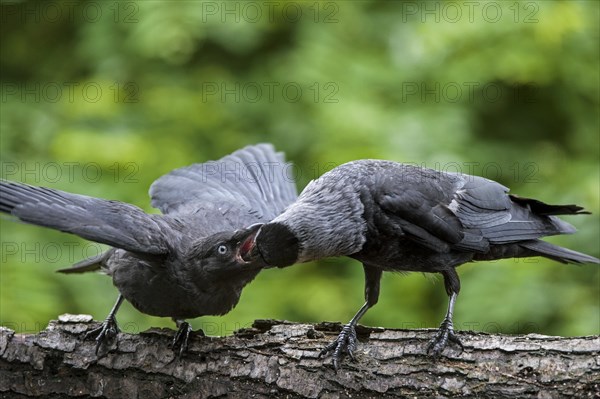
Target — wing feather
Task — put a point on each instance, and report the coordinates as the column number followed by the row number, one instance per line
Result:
column 254, row 178
column 109, row 222
column 453, row 211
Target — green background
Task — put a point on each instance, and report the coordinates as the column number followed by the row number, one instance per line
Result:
column 102, row 98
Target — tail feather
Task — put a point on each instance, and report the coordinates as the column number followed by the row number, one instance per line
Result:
column 541, row 208
column 88, row 265
column 559, row 254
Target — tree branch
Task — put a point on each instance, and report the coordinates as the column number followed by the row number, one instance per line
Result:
column 276, row 358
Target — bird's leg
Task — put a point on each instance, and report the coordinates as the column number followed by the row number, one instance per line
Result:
column 181, row 336
column 109, row 328
column 346, row 341
column 446, row 330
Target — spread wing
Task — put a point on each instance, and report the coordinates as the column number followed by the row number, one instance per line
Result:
column 109, row 222
column 254, row 179
column 445, row 211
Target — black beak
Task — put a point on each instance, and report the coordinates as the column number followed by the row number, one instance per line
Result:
column 246, row 249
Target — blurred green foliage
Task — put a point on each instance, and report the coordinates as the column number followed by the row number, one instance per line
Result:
column 101, row 98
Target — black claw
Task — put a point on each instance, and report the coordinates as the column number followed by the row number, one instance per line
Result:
column 440, row 340
column 105, row 333
column 455, row 340
column 180, row 341
column 344, row 344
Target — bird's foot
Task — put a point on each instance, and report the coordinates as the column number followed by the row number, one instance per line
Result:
column 180, row 341
column 444, row 335
column 345, row 343
column 105, row 333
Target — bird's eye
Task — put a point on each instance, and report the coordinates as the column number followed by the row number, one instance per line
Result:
column 222, row 249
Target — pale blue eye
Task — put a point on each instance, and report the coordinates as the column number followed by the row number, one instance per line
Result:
column 222, row 249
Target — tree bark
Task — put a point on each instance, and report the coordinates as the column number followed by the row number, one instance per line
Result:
column 280, row 359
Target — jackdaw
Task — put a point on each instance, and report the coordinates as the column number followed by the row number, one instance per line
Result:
column 398, row 217
column 181, row 264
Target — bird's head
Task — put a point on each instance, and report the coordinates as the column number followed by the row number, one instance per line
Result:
column 273, row 245
column 222, row 253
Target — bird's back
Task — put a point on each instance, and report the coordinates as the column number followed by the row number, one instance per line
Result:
column 427, row 219
column 405, row 217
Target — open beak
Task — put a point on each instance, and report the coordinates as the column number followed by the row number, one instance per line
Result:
column 247, row 250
